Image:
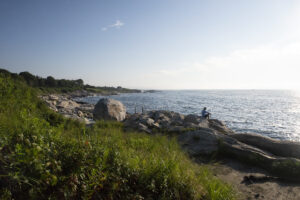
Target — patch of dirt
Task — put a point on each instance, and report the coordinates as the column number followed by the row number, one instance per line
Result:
column 254, row 183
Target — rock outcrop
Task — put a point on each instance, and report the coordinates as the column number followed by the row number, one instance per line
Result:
column 109, row 109
column 276, row 147
column 200, row 142
column 64, row 105
column 169, row 121
column 287, row 168
column 207, row 142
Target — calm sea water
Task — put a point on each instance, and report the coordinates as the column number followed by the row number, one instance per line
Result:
column 274, row 113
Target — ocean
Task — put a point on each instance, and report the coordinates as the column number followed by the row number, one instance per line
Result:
column 273, row 113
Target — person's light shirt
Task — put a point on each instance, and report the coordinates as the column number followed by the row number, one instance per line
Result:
column 204, row 112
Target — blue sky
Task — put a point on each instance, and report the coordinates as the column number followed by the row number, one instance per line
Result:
column 159, row 44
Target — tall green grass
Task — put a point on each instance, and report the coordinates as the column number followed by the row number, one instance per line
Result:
column 45, row 156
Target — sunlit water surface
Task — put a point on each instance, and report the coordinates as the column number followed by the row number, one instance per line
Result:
column 274, row 113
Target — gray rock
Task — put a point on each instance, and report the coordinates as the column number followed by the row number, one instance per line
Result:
column 191, row 125
column 53, row 97
column 67, row 104
column 199, row 142
column 219, row 126
column 285, row 168
column 276, row 147
column 149, row 122
column 195, row 119
column 80, row 113
column 109, row 109
column 53, row 107
column 164, row 123
column 156, row 125
column 178, row 117
column 143, row 128
column 160, row 114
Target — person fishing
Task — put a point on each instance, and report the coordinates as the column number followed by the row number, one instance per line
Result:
column 205, row 114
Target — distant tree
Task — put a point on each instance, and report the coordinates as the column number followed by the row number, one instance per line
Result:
column 15, row 76
column 4, row 71
column 29, row 78
column 89, row 86
column 61, row 82
column 79, row 82
column 42, row 82
column 50, row 81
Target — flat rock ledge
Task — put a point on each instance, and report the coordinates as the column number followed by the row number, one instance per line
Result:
column 279, row 158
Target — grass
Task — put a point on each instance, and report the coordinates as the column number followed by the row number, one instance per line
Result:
column 45, row 156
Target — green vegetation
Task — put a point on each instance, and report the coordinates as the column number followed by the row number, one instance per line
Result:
column 109, row 90
column 52, row 85
column 45, row 156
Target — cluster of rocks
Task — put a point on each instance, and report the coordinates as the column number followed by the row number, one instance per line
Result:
column 65, row 105
column 169, row 121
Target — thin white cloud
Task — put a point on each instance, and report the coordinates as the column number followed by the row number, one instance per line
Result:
column 269, row 66
column 118, row 24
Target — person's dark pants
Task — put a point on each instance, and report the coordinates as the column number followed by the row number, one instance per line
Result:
column 206, row 116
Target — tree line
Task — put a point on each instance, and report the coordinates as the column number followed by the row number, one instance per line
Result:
column 36, row 81
column 61, row 85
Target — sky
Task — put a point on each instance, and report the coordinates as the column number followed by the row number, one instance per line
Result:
column 155, row 44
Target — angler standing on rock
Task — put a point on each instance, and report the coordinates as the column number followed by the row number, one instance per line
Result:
column 205, row 114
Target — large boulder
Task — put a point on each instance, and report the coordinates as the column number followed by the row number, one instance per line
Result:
column 109, row 109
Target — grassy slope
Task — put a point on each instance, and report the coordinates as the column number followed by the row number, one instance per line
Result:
column 44, row 156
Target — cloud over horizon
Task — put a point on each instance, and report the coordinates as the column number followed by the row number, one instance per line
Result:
column 269, row 66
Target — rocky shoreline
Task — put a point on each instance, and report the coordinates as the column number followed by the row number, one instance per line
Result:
column 68, row 107
column 198, row 136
